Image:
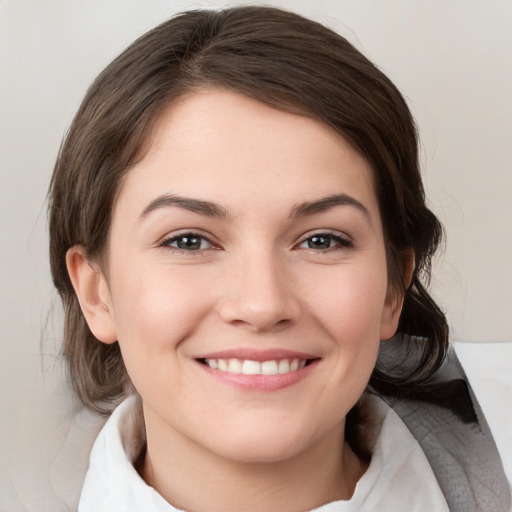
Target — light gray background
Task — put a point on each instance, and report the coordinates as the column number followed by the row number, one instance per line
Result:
column 450, row 58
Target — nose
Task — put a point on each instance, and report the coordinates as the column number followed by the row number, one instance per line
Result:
column 260, row 295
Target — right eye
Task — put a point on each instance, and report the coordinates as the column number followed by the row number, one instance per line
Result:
column 187, row 242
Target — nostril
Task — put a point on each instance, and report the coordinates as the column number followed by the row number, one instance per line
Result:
column 259, row 311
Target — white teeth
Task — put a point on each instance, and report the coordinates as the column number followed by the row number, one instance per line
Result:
column 269, row 368
column 284, row 366
column 250, row 367
column 235, row 366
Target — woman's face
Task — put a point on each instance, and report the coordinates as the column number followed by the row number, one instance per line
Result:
column 247, row 278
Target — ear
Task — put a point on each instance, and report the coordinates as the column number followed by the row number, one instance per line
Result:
column 93, row 294
column 395, row 299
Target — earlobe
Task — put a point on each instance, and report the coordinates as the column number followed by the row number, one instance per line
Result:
column 93, row 294
column 391, row 315
column 409, row 267
column 395, row 300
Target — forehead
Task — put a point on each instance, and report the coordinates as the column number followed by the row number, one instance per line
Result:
column 226, row 145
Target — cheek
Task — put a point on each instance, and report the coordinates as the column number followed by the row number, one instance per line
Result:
column 351, row 303
column 350, row 312
column 157, row 309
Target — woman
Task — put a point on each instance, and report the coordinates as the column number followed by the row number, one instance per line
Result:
column 237, row 222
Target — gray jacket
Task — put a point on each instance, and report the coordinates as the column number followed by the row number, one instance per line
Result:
column 450, row 427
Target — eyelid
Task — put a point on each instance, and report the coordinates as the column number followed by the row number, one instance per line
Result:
column 171, row 237
column 346, row 241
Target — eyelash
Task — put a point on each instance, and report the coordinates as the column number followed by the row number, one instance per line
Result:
column 341, row 242
column 187, row 234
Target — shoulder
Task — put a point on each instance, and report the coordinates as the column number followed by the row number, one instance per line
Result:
column 446, row 418
column 112, row 483
column 488, row 367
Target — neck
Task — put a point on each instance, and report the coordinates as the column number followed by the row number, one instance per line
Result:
column 191, row 477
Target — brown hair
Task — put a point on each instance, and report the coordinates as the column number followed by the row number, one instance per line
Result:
column 275, row 57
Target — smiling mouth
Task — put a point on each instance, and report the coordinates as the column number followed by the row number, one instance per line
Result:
column 251, row 367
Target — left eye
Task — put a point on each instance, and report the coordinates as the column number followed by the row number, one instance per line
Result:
column 188, row 242
column 323, row 241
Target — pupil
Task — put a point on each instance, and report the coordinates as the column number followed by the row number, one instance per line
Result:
column 189, row 242
column 319, row 242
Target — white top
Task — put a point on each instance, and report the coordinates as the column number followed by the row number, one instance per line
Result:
column 399, row 477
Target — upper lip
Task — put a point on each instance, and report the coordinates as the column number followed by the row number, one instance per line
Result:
column 254, row 354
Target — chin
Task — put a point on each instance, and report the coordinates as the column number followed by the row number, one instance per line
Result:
column 267, row 444
column 261, row 453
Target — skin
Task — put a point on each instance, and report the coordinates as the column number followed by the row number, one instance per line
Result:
column 257, row 281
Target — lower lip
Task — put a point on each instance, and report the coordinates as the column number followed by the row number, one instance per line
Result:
column 264, row 383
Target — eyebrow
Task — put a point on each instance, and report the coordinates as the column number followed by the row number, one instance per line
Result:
column 211, row 209
column 326, row 203
column 199, row 206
